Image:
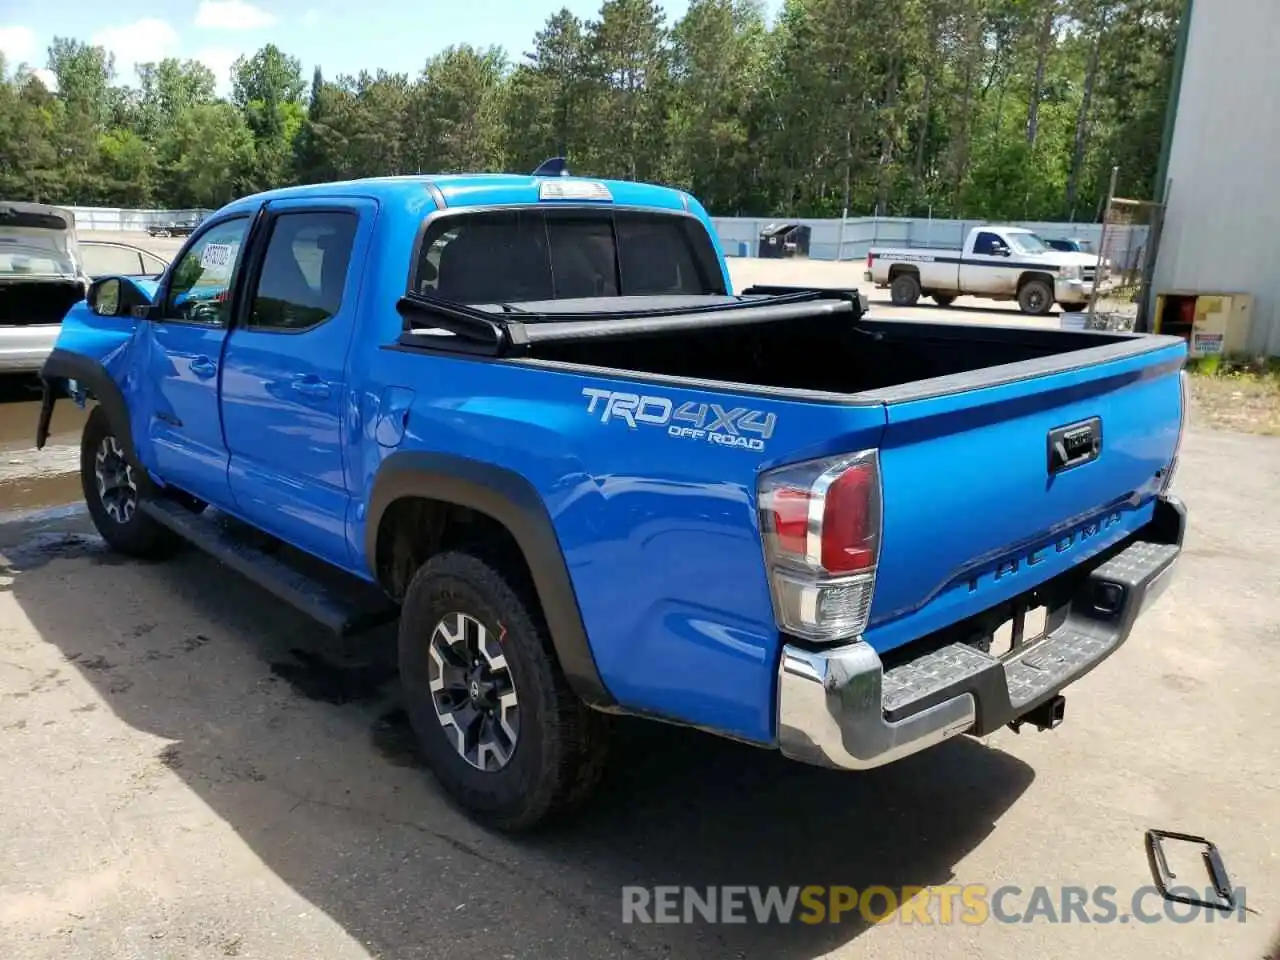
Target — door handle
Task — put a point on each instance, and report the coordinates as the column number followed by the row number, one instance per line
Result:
column 203, row 367
column 310, row 386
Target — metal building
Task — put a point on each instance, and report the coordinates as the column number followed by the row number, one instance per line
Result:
column 1222, row 167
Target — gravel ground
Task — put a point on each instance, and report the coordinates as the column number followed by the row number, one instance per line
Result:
column 190, row 770
column 187, row 769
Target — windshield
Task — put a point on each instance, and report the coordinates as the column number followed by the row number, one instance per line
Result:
column 1028, row 243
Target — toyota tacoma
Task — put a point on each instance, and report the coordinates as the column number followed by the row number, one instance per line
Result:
column 529, row 417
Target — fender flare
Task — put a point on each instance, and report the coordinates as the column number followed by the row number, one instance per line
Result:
column 512, row 501
column 63, row 365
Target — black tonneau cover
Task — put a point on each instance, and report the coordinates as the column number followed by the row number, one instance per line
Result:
column 502, row 330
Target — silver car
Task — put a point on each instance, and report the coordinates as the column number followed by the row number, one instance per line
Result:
column 44, row 269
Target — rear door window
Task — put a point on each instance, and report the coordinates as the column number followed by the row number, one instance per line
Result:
column 304, row 270
column 529, row 255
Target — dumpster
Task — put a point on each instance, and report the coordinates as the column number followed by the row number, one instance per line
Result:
column 779, row 240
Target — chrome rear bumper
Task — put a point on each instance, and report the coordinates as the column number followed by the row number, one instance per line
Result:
column 830, row 711
column 840, row 708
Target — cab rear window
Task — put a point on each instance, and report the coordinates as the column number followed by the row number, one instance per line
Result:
column 522, row 255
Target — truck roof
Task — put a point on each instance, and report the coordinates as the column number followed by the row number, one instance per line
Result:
column 473, row 190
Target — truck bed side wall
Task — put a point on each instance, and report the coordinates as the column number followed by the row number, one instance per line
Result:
column 658, row 532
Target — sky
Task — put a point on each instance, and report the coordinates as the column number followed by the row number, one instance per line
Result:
column 342, row 36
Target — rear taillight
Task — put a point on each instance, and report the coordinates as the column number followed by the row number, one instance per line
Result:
column 868, row 259
column 820, row 523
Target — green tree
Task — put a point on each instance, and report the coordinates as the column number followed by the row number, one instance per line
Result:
column 84, row 76
column 167, row 88
column 129, row 169
column 371, row 115
column 718, row 63
column 973, row 108
column 455, row 111
column 267, row 88
column 542, row 116
column 628, row 90
column 30, row 167
column 206, row 156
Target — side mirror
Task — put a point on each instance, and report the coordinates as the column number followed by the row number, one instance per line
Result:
column 1002, row 251
column 104, row 297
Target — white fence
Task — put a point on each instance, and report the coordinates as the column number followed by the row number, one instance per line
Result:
column 120, row 218
column 831, row 239
column 851, row 239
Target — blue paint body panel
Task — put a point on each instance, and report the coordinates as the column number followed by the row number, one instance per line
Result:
column 659, row 536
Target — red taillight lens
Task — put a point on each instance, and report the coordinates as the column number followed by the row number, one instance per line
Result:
column 823, row 514
column 790, row 512
column 820, row 523
column 868, row 259
column 850, row 524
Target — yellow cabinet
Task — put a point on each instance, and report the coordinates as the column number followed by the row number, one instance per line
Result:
column 1213, row 324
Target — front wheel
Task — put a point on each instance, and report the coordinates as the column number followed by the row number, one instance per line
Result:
column 113, row 491
column 1035, row 298
column 493, row 714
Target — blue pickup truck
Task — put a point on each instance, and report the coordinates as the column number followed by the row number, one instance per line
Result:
column 529, row 417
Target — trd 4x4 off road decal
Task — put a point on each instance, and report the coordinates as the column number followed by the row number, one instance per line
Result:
column 708, row 422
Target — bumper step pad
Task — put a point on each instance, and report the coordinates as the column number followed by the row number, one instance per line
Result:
column 917, row 681
column 1010, row 687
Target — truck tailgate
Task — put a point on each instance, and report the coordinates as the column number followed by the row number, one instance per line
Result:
column 980, row 504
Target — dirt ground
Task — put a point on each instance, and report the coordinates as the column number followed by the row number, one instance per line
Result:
column 190, row 770
column 1247, row 403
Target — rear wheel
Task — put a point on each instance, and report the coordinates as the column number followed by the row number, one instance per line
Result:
column 1035, row 297
column 491, row 709
column 905, row 290
column 113, row 492
column 943, row 300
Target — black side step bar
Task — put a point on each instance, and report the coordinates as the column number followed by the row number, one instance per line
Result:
column 343, row 616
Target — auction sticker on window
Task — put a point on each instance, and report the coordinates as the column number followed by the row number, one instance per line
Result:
column 217, row 260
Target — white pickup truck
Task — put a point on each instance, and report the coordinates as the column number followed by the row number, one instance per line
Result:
column 1000, row 263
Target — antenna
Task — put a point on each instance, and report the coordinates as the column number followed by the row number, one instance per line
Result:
column 555, row 167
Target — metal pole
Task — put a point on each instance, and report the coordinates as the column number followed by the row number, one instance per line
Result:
column 1102, row 246
column 1155, row 230
column 844, row 218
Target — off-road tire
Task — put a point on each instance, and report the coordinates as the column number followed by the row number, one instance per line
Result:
column 904, row 291
column 126, row 529
column 559, row 754
column 1035, row 297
